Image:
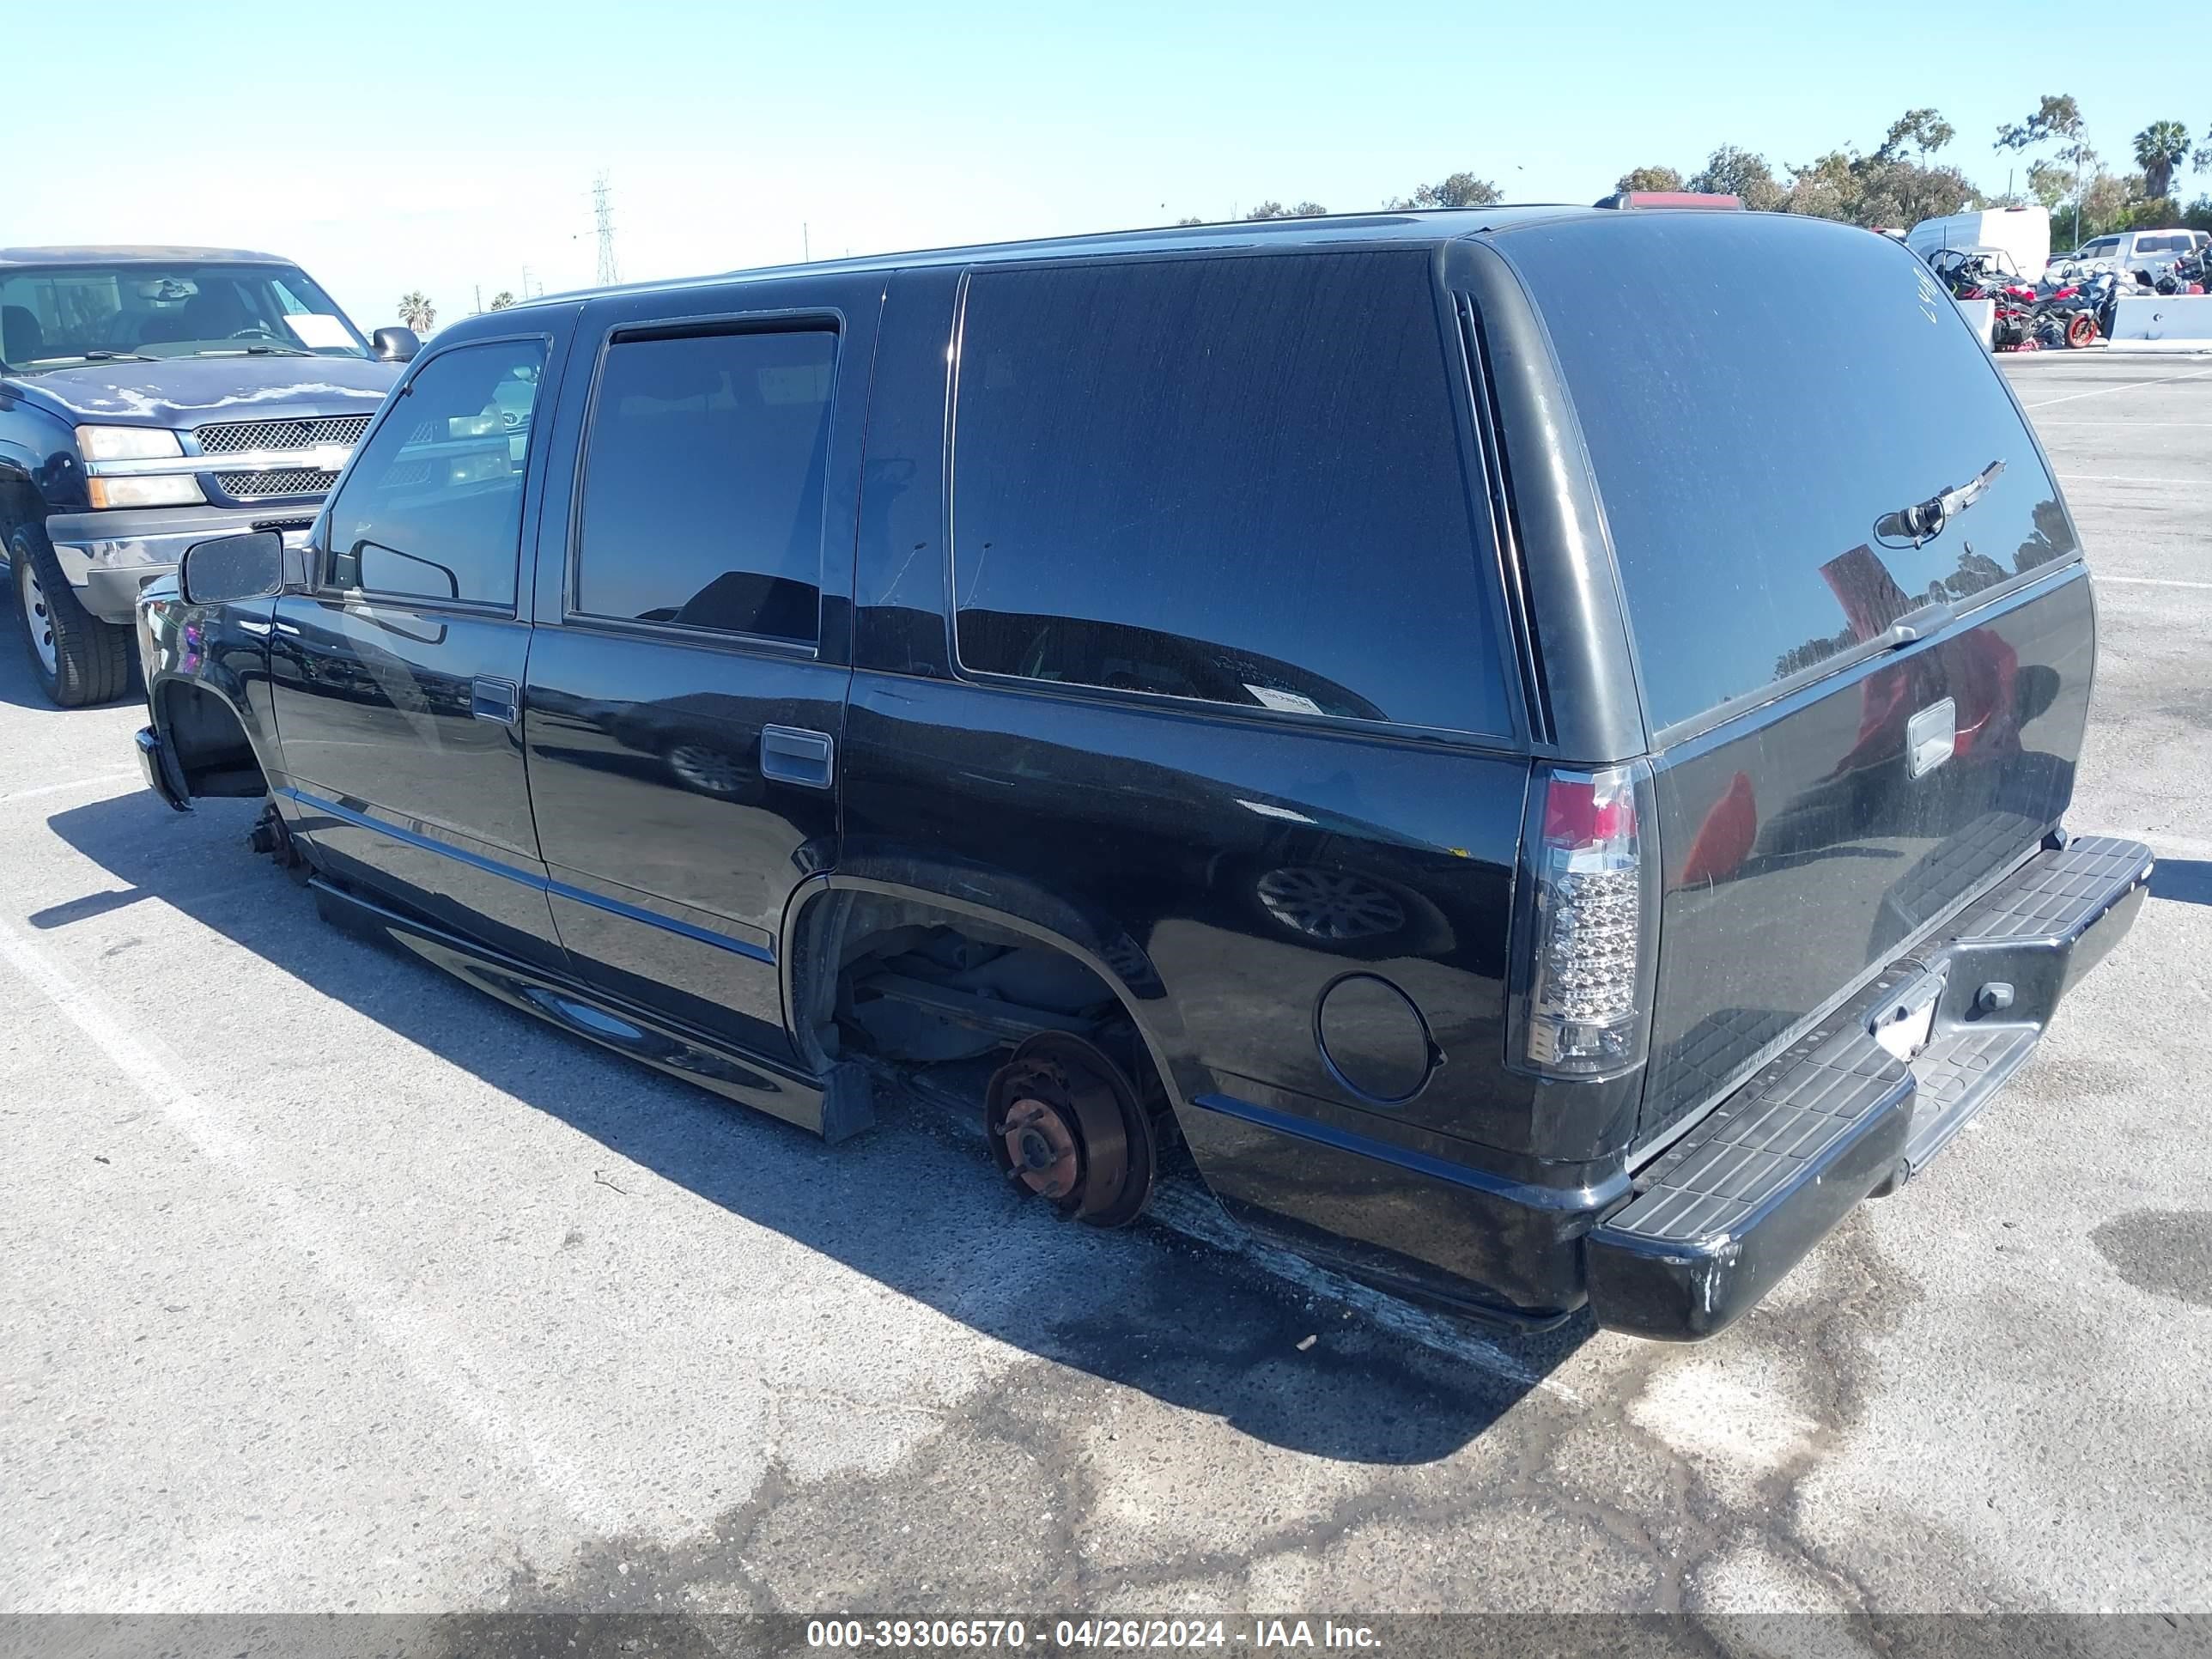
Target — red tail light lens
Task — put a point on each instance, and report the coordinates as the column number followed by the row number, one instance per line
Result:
column 1589, row 934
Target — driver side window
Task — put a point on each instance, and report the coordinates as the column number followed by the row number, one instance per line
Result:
column 433, row 507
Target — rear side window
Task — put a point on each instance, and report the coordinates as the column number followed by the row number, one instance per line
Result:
column 1234, row 479
column 433, row 507
column 704, row 479
column 1758, row 395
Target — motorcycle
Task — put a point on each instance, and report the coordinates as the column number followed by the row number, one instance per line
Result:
column 2065, row 316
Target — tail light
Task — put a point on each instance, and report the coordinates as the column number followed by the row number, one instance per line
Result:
column 1586, row 929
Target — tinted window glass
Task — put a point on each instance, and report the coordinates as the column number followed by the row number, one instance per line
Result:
column 1750, row 445
column 433, row 507
column 703, row 480
column 1229, row 479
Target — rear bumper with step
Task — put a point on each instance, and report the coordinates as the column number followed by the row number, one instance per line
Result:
column 1739, row 1200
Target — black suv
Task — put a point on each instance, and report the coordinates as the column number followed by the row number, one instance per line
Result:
column 151, row 398
column 1532, row 753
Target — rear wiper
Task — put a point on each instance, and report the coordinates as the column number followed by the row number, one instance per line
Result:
column 1911, row 526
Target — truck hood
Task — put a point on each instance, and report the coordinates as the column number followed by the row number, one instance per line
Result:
column 184, row 392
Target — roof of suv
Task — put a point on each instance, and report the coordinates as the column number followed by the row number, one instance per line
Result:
column 135, row 254
column 1411, row 228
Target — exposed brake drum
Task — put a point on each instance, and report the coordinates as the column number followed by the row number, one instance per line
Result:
column 1065, row 1122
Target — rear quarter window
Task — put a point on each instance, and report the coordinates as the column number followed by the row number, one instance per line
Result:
column 1756, row 394
column 1236, row 480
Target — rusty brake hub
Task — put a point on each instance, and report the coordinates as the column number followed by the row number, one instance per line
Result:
column 1065, row 1124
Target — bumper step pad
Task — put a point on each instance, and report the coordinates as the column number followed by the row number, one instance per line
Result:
column 1724, row 1213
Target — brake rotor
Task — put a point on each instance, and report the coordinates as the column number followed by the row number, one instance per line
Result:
column 1065, row 1124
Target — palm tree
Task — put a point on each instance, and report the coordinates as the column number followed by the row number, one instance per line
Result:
column 416, row 312
column 2159, row 148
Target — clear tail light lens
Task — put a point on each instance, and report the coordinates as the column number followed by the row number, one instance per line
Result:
column 1588, row 929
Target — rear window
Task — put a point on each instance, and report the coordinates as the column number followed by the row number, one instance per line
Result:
column 1233, row 480
column 1758, row 394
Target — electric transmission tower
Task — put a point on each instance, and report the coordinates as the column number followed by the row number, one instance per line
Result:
column 604, row 213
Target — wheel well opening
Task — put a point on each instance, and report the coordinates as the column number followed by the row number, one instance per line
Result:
column 209, row 743
column 19, row 505
column 955, row 1006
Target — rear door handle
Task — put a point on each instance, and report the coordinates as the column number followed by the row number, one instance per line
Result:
column 495, row 700
column 791, row 753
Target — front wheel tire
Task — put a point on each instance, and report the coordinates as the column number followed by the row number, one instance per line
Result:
column 77, row 658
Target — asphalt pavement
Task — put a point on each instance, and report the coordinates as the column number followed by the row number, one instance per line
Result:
column 329, row 1285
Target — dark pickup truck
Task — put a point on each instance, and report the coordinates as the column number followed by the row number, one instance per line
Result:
column 151, row 398
column 1535, row 763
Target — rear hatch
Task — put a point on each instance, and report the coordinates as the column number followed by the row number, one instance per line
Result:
column 1862, row 632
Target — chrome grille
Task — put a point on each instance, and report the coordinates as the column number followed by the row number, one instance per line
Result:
column 230, row 437
column 285, row 481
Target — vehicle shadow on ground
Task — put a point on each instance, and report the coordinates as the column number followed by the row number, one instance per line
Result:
column 913, row 1203
column 2188, row 881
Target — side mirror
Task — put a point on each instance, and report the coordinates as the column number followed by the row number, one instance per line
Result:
column 232, row 568
column 395, row 345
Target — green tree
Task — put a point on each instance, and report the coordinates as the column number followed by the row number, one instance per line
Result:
column 1925, row 130
column 502, row 300
column 1827, row 188
column 2049, row 183
column 416, row 312
column 1459, row 190
column 1649, row 179
column 1272, row 210
column 2108, row 200
column 2159, row 148
column 1731, row 171
column 2056, row 122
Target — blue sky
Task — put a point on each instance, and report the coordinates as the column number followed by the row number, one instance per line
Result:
column 393, row 147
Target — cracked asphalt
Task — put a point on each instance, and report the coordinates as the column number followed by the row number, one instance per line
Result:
column 329, row 1285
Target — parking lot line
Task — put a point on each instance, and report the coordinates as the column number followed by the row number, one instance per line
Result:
column 2125, row 385
column 2147, row 581
column 430, row 1350
column 68, row 785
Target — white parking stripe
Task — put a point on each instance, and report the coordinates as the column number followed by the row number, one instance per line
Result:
column 2096, row 477
column 68, row 785
column 433, row 1352
column 2145, row 582
column 2129, row 385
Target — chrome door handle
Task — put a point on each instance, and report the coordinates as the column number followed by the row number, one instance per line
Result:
column 790, row 754
column 496, row 701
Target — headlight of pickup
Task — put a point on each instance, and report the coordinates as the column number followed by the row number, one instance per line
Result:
column 153, row 490
column 127, row 443
column 136, row 443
